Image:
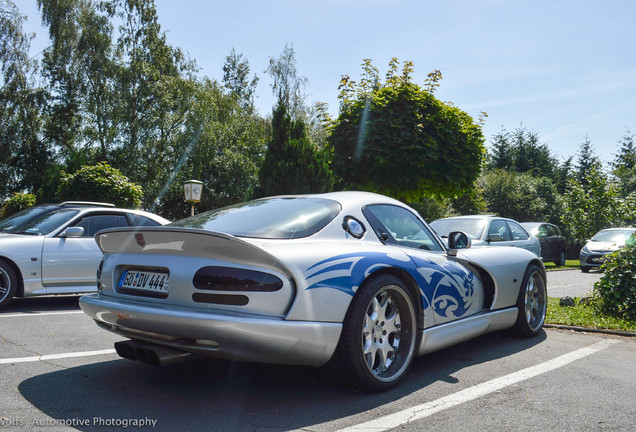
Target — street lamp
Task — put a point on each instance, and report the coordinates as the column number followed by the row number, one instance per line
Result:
column 193, row 189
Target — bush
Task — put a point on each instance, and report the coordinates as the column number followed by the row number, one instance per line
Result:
column 19, row 201
column 616, row 290
column 99, row 182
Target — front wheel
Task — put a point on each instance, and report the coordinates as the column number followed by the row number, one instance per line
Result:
column 8, row 284
column 378, row 337
column 532, row 302
column 561, row 261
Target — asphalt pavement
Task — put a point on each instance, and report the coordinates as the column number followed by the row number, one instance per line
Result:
column 571, row 283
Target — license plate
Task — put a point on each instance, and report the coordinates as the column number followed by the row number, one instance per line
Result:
column 144, row 281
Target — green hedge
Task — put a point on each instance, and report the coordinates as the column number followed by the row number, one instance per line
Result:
column 616, row 290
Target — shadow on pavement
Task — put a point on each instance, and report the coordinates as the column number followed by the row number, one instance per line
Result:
column 230, row 396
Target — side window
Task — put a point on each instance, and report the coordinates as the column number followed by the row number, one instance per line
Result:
column 554, row 231
column 138, row 220
column 498, row 231
column 399, row 226
column 544, row 231
column 517, row 232
column 94, row 223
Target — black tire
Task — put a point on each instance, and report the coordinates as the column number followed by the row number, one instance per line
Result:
column 8, row 284
column 378, row 337
column 585, row 269
column 561, row 261
column 532, row 302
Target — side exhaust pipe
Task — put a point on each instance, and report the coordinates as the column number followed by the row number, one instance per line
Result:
column 151, row 354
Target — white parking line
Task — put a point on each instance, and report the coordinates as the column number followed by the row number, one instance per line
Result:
column 32, row 314
column 56, row 356
column 412, row 414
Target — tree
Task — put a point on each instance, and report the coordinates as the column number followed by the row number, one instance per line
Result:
column 396, row 138
column 288, row 85
column 522, row 152
column 586, row 162
column 24, row 155
column 292, row 164
column 519, row 196
column 99, row 182
column 624, row 165
column 236, row 80
column 19, row 201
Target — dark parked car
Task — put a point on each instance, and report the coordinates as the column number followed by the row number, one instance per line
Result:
column 553, row 244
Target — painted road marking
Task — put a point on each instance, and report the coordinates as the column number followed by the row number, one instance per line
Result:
column 418, row 412
column 56, row 356
column 31, row 314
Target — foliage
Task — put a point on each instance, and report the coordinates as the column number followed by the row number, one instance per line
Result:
column 24, row 155
column 616, row 290
column 236, row 71
column 223, row 147
column 521, row 151
column 586, row 162
column 292, row 164
column 19, row 201
column 590, row 208
column 288, row 85
column 397, row 139
column 624, row 165
column 585, row 314
column 522, row 197
column 102, row 183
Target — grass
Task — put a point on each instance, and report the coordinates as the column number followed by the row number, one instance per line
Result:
column 584, row 315
column 568, row 264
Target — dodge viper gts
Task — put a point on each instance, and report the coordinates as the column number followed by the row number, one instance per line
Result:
column 353, row 279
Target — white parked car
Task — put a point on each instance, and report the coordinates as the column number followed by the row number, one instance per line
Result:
column 56, row 252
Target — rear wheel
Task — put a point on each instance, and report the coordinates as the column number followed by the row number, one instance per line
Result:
column 8, row 284
column 377, row 343
column 561, row 261
column 585, row 269
column 532, row 302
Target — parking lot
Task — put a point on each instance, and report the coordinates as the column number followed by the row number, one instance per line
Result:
column 59, row 372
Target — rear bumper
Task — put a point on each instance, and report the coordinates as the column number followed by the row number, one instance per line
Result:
column 217, row 334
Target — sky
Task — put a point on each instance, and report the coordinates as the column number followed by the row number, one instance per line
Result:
column 564, row 69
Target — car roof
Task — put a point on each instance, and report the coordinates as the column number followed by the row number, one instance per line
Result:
column 476, row 217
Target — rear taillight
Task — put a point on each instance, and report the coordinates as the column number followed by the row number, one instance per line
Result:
column 235, row 279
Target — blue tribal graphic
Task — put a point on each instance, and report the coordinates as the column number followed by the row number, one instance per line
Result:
column 447, row 288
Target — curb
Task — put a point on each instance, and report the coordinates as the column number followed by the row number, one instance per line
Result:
column 591, row 330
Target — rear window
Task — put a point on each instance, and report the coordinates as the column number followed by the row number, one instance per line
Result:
column 271, row 218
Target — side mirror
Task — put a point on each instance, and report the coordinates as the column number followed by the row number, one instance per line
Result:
column 494, row 238
column 458, row 240
column 73, row 232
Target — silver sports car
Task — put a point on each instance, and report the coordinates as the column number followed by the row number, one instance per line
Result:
column 55, row 252
column 352, row 278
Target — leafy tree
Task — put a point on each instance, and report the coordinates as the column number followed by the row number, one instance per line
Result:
column 236, row 80
column 24, row 155
column 292, row 164
column 396, row 138
column 624, row 165
column 222, row 145
column 19, row 201
column 519, row 196
column 591, row 206
column 288, row 85
column 99, row 182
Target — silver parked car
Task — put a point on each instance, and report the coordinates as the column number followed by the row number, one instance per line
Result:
column 56, row 253
column 604, row 242
column 352, row 278
column 486, row 230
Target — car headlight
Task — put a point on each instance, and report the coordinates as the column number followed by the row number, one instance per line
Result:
column 585, row 249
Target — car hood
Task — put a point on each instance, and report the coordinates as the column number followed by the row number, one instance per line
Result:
column 593, row 246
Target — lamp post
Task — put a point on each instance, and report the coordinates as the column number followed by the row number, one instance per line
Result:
column 193, row 189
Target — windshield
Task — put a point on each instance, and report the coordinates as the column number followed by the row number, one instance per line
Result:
column 273, row 218
column 14, row 223
column 473, row 227
column 618, row 236
column 47, row 223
